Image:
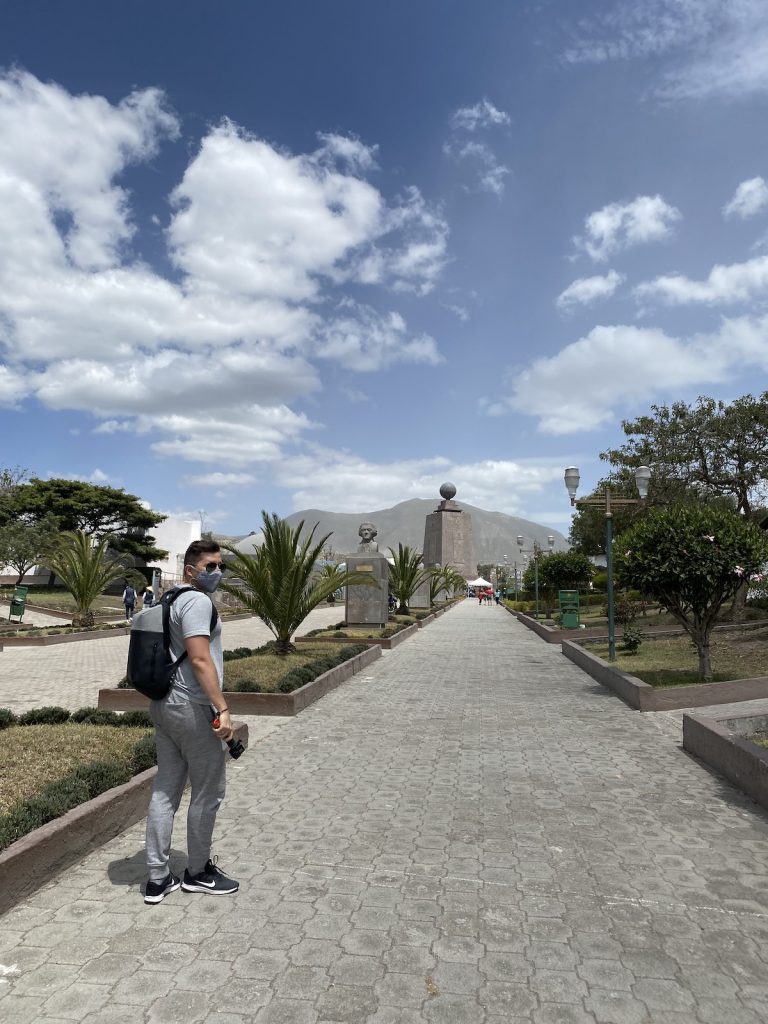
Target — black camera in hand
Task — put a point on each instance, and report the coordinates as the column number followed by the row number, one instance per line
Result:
column 236, row 748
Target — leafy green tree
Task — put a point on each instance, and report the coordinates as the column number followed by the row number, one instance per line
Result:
column 406, row 575
column 94, row 509
column 709, row 451
column 562, row 570
column 691, row 559
column 23, row 545
column 81, row 562
column 280, row 582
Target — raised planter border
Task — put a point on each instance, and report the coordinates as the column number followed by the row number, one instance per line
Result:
column 643, row 697
column 556, row 635
column 722, row 744
column 63, row 638
column 114, row 699
column 385, row 642
column 40, row 855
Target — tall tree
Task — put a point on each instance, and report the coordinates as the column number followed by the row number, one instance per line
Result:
column 24, row 545
column 708, row 451
column 94, row 509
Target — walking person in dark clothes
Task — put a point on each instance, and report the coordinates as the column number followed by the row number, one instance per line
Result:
column 129, row 600
column 187, row 743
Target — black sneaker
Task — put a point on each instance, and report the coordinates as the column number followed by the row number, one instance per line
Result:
column 157, row 891
column 210, row 880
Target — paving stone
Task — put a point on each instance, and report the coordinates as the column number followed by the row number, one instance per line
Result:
column 346, row 1003
column 416, row 832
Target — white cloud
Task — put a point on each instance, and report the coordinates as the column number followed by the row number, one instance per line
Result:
column 98, row 476
column 589, row 289
column 324, row 478
column 221, row 480
column 363, row 340
column 489, row 172
column 710, row 47
column 738, row 282
column 70, row 149
column 748, row 200
column 247, row 436
column 619, row 226
column 622, row 367
column 482, row 115
column 264, row 242
column 347, row 149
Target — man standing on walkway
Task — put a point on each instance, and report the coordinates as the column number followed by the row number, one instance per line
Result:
column 129, row 600
column 187, row 743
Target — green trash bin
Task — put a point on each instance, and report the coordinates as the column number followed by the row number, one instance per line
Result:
column 18, row 602
column 569, row 609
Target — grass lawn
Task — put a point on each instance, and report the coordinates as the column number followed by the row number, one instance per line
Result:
column 31, row 756
column 62, row 601
column 761, row 741
column 267, row 669
column 672, row 661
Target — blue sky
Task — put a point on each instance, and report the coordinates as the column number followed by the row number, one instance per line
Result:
column 298, row 254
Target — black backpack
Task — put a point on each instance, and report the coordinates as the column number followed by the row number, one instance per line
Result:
column 151, row 667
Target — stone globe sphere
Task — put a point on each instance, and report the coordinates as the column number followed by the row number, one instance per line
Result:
column 448, row 491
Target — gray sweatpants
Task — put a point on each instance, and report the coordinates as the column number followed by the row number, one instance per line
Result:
column 186, row 746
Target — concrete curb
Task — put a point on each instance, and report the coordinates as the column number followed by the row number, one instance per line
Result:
column 114, row 699
column 723, row 745
column 39, row 856
column 63, row 638
column 643, row 697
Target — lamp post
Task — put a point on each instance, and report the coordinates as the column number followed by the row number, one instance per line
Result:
column 535, row 551
column 607, row 502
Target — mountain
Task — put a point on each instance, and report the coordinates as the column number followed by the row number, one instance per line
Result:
column 495, row 533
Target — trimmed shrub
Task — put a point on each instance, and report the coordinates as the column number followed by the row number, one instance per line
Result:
column 632, row 639
column 136, row 720
column 144, row 755
column 339, row 634
column 248, row 686
column 291, row 681
column 44, row 716
column 124, row 684
column 95, row 716
column 7, row 718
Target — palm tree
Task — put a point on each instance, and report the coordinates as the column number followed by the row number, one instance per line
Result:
column 81, row 563
column 280, row 583
column 406, row 575
column 329, row 572
column 444, row 578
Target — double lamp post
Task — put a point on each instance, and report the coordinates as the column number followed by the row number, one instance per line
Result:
column 607, row 502
column 535, row 551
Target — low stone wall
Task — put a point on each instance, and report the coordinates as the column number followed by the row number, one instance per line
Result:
column 723, row 745
column 114, row 699
column 643, row 697
column 597, row 634
column 39, row 856
column 63, row 638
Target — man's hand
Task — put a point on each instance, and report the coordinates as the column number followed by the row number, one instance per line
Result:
column 224, row 730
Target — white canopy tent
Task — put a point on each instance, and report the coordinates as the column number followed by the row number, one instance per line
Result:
column 479, row 582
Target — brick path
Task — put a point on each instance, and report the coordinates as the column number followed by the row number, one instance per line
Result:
column 471, row 832
column 71, row 675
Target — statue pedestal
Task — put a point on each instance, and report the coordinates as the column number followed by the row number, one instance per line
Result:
column 368, row 606
column 420, row 597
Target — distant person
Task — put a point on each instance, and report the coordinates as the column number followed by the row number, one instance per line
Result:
column 497, row 595
column 148, row 597
column 129, row 601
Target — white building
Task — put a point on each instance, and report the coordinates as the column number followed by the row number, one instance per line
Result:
column 174, row 535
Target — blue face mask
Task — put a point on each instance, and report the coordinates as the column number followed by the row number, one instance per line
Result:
column 208, row 581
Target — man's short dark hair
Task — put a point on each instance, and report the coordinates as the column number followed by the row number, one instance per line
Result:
column 198, row 548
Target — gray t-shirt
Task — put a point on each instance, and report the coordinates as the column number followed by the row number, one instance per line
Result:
column 191, row 616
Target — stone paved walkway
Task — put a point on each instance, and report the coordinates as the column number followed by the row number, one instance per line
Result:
column 71, row 675
column 473, row 832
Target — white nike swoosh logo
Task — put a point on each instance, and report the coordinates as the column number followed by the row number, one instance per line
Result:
column 208, row 885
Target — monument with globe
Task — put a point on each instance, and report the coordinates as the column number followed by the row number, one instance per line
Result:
column 448, row 536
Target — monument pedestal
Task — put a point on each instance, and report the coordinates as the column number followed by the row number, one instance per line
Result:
column 448, row 536
column 368, row 606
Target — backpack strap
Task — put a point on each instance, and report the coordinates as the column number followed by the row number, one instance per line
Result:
column 166, row 601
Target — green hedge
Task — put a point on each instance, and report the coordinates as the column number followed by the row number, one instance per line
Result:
column 84, row 783
column 53, row 715
column 297, row 677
